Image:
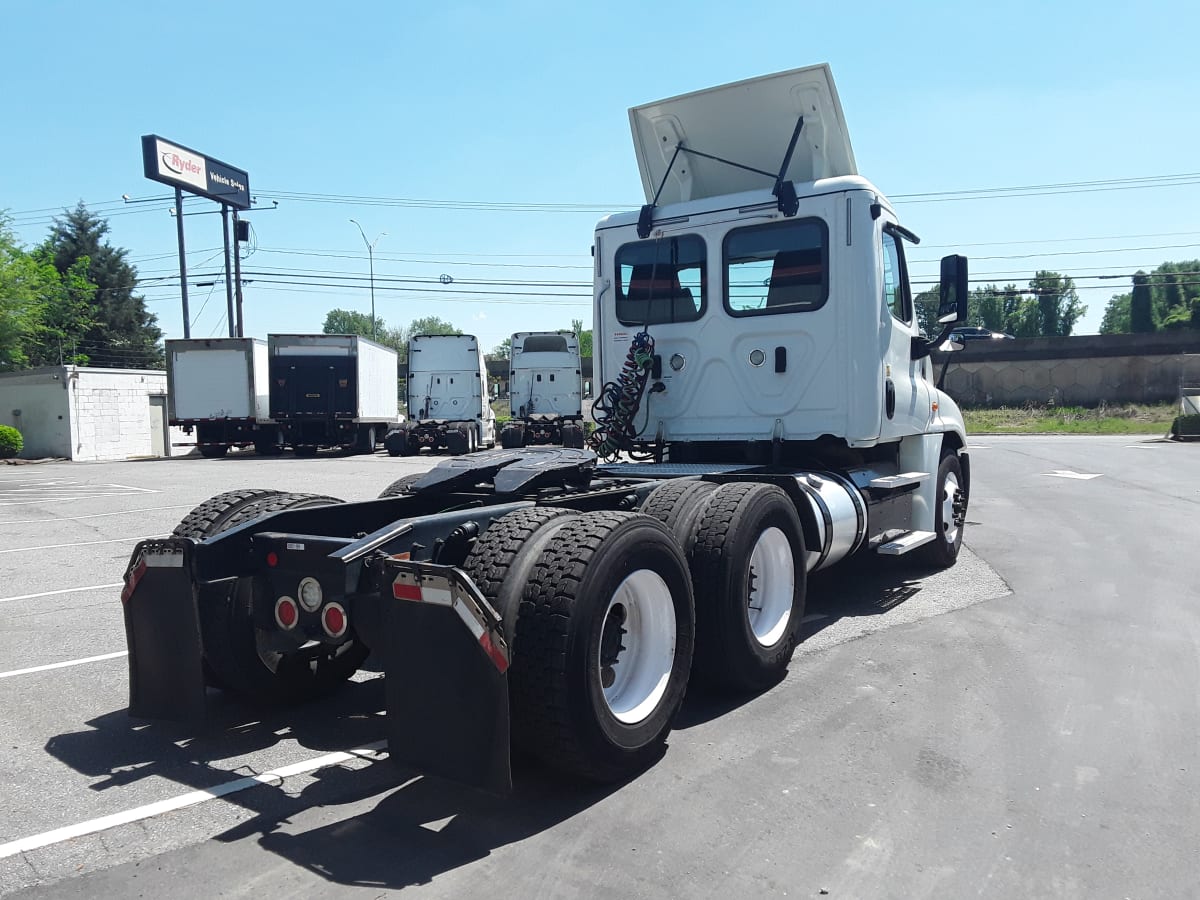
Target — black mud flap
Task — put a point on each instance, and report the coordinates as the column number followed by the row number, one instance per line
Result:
column 162, row 631
column 445, row 662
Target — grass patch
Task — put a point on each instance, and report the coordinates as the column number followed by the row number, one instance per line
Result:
column 1131, row 418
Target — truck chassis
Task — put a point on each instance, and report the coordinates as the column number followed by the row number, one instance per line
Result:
column 528, row 597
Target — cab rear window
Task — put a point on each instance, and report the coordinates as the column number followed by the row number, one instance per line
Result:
column 778, row 268
column 661, row 281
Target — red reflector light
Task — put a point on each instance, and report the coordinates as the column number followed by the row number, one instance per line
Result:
column 287, row 614
column 272, row 559
column 334, row 620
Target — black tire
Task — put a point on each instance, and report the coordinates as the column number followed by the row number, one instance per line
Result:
column 400, row 485
column 679, row 504
column 942, row 551
column 214, row 451
column 729, row 655
column 565, row 627
column 232, row 643
column 305, row 449
column 209, row 517
column 573, row 437
column 456, row 441
column 396, row 442
column 510, row 437
column 268, row 448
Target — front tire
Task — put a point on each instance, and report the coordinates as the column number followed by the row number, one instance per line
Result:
column 603, row 645
column 949, row 516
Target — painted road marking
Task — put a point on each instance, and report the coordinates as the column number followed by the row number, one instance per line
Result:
column 1067, row 473
column 122, row 512
column 90, row 587
column 147, row 537
column 274, row 778
column 62, row 665
column 23, row 493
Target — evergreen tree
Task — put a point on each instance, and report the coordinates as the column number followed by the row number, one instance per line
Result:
column 1116, row 315
column 122, row 333
column 1141, row 310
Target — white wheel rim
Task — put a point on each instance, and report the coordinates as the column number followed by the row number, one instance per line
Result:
column 949, row 495
column 637, row 680
column 772, row 586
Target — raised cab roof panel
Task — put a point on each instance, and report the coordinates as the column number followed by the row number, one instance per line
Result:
column 748, row 122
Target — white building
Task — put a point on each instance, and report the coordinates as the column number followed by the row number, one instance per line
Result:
column 81, row 413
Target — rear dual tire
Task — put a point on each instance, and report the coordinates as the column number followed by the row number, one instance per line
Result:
column 598, row 612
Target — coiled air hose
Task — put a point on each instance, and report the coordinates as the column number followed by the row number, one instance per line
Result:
column 617, row 406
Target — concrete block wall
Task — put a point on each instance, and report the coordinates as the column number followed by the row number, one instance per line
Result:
column 1079, row 371
column 110, row 412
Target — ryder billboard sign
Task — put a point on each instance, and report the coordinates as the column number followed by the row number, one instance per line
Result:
column 183, row 168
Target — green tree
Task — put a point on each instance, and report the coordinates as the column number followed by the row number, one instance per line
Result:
column 122, row 333
column 431, row 325
column 1141, row 305
column 585, row 337
column 502, row 350
column 345, row 321
column 24, row 284
column 1116, row 315
column 1058, row 304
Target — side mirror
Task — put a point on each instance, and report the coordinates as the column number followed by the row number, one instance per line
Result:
column 953, row 291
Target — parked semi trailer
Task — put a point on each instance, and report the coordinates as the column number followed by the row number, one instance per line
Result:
column 762, row 367
column 448, row 406
column 545, row 390
column 332, row 390
column 217, row 388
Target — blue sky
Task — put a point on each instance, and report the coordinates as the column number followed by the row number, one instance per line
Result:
column 526, row 103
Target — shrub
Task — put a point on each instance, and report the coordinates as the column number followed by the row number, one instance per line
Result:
column 11, row 442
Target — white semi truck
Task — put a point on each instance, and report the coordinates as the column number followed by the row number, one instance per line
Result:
column 545, row 390
column 448, row 404
column 217, row 389
column 763, row 369
column 332, row 390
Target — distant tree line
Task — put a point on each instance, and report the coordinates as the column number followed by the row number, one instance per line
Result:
column 1166, row 299
column 72, row 299
column 1047, row 305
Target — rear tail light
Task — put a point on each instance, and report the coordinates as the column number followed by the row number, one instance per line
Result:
column 334, row 620
column 287, row 613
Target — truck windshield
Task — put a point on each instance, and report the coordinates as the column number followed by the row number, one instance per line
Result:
column 661, row 280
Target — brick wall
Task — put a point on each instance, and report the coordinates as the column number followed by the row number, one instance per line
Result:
column 110, row 412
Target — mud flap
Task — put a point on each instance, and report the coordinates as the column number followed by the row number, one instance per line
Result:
column 162, row 632
column 445, row 663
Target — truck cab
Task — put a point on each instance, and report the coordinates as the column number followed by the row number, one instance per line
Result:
column 448, row 406
column 776, row 325
column 545, row 389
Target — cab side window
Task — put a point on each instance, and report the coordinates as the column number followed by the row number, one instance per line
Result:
column 895, row 285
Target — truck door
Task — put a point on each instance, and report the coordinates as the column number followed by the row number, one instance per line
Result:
column 906, row 393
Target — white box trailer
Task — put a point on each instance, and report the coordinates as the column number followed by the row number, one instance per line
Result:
column 218, row 388
column 448, row 406
column 332, row 390
column 545, row 390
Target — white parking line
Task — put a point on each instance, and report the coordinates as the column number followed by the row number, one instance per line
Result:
column 275, row 777
column 63, row 665
column 80, row 590
column 81, row 544
column 123, row 512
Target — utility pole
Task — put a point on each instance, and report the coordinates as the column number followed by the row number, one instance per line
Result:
column 371, row 262
column 187, row 323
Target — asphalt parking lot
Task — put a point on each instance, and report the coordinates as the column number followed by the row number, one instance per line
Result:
column 1023, row 724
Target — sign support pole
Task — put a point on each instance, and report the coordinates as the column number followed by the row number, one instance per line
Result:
column 237, row 272
column 229, row 315
column 187, row 319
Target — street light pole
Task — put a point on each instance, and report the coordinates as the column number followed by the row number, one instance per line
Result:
column 371, row 263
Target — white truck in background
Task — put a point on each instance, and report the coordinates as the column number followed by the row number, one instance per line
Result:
column 545, row 389
column 332, row 390
column 217, row 389
column 448, row 404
